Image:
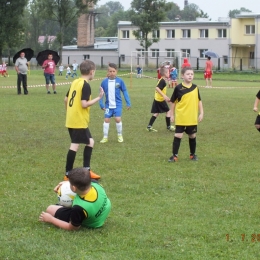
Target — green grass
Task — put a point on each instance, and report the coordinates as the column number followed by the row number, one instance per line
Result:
column 160, row 210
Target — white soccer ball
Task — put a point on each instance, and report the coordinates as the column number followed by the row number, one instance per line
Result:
column 65, row 195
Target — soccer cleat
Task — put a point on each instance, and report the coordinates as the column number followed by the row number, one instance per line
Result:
column 54, row 92
column 120, row 139
column 150, row 129
column 48, row 92
column 94, row 175
column 171, row 128
column 104, row 140
column 173, row 159
column 193, row 157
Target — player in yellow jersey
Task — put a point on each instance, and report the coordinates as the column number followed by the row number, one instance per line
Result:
column 186, row 112
column 160, row 102
column 77, row 103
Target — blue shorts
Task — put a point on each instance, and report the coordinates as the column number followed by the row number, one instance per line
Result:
column 110, row 112
column 49, row 77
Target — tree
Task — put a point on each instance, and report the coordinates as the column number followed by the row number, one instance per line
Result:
column 191, row 12
column 64, row 13
column 146, row 15
column 11, row 29
column 233, row 13
column 174, row 12
column 114, row 19
column 114, row 7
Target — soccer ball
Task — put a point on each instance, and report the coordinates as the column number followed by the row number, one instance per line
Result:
column 65, row 195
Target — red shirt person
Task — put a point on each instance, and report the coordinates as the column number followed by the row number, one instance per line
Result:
column 49, row 73
column 185, row 63
column 208, row 72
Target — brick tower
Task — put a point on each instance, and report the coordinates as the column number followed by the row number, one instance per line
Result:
column 86, row 29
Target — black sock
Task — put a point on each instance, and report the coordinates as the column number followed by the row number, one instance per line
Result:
column 153, row 118
column 176, row 145
column 70, row 160
column 192, row 143
column 168, row 121
column 258, row 129
column 87, row 156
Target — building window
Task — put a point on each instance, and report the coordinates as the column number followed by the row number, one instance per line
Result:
column 170, row 53
column 186, row 33
column 170, row 34
column 156, row 34
column 155, row 53
column 185, row 52
column 201, row 53
column 122, row 57
column 222, row 33
column 204, row 33
column 225, row 59
column 125, row 34
column 140, row 52
column 250, row 29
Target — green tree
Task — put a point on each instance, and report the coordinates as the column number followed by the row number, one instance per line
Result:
column 234, row 12
column 146, row 15
column 191, row 12
column 64, row 13
column 114, row 7
column 173, row 13
column 114, row 19
column 11, row 29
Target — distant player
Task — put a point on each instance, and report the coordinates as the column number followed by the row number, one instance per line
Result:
column 257, row 121
column 173, row 76
column 1, row 70
column 68, row 72
column 61, row 68
column 113, row 86
column 208, row 72
column 139, row 72
column 74, row 69
column 185, row 63
column 160, row 105
column 4, row 69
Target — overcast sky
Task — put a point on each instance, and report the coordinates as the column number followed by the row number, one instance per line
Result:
column 214, row 8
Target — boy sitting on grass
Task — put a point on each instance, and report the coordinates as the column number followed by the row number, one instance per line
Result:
column 90, row 207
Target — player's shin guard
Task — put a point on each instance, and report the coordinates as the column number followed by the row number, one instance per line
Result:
column 168, row 121
column 70, row 160
column 119, row 128
column 87, row 156
column 176, row 145
column 105, row 129
column 153, row 118
column 192, row 143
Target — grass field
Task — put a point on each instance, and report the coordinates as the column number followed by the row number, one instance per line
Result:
column 187, row 210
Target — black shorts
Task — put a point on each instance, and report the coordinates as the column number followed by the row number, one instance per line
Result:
column 79, row 136
column 189, row 130
column 159, row 107
column 63, row 214
column 257, row 121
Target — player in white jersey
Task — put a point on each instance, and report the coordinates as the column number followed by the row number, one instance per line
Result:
column 4, row 69
column 74, row 68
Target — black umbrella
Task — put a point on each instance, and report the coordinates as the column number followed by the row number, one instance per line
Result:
column 28, row 54
column 43, row 55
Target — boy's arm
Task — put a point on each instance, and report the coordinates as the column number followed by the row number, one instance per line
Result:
column 65, row 102
column 172, row 111
column 101, row 104
column 46, row 217
column 162, row 94
column 89, row 103
column 125, row 93
column 201, row 111
column 256, row 104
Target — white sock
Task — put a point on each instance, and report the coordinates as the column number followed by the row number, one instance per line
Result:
column 119, row 128
column 105, row 129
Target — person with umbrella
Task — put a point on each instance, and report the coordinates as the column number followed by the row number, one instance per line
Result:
column 208, row 72
column 49, row 73
column 21, row 67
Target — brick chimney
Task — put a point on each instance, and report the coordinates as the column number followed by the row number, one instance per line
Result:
column 86, row 28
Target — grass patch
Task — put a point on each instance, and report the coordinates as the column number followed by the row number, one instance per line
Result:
column 160, row 210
